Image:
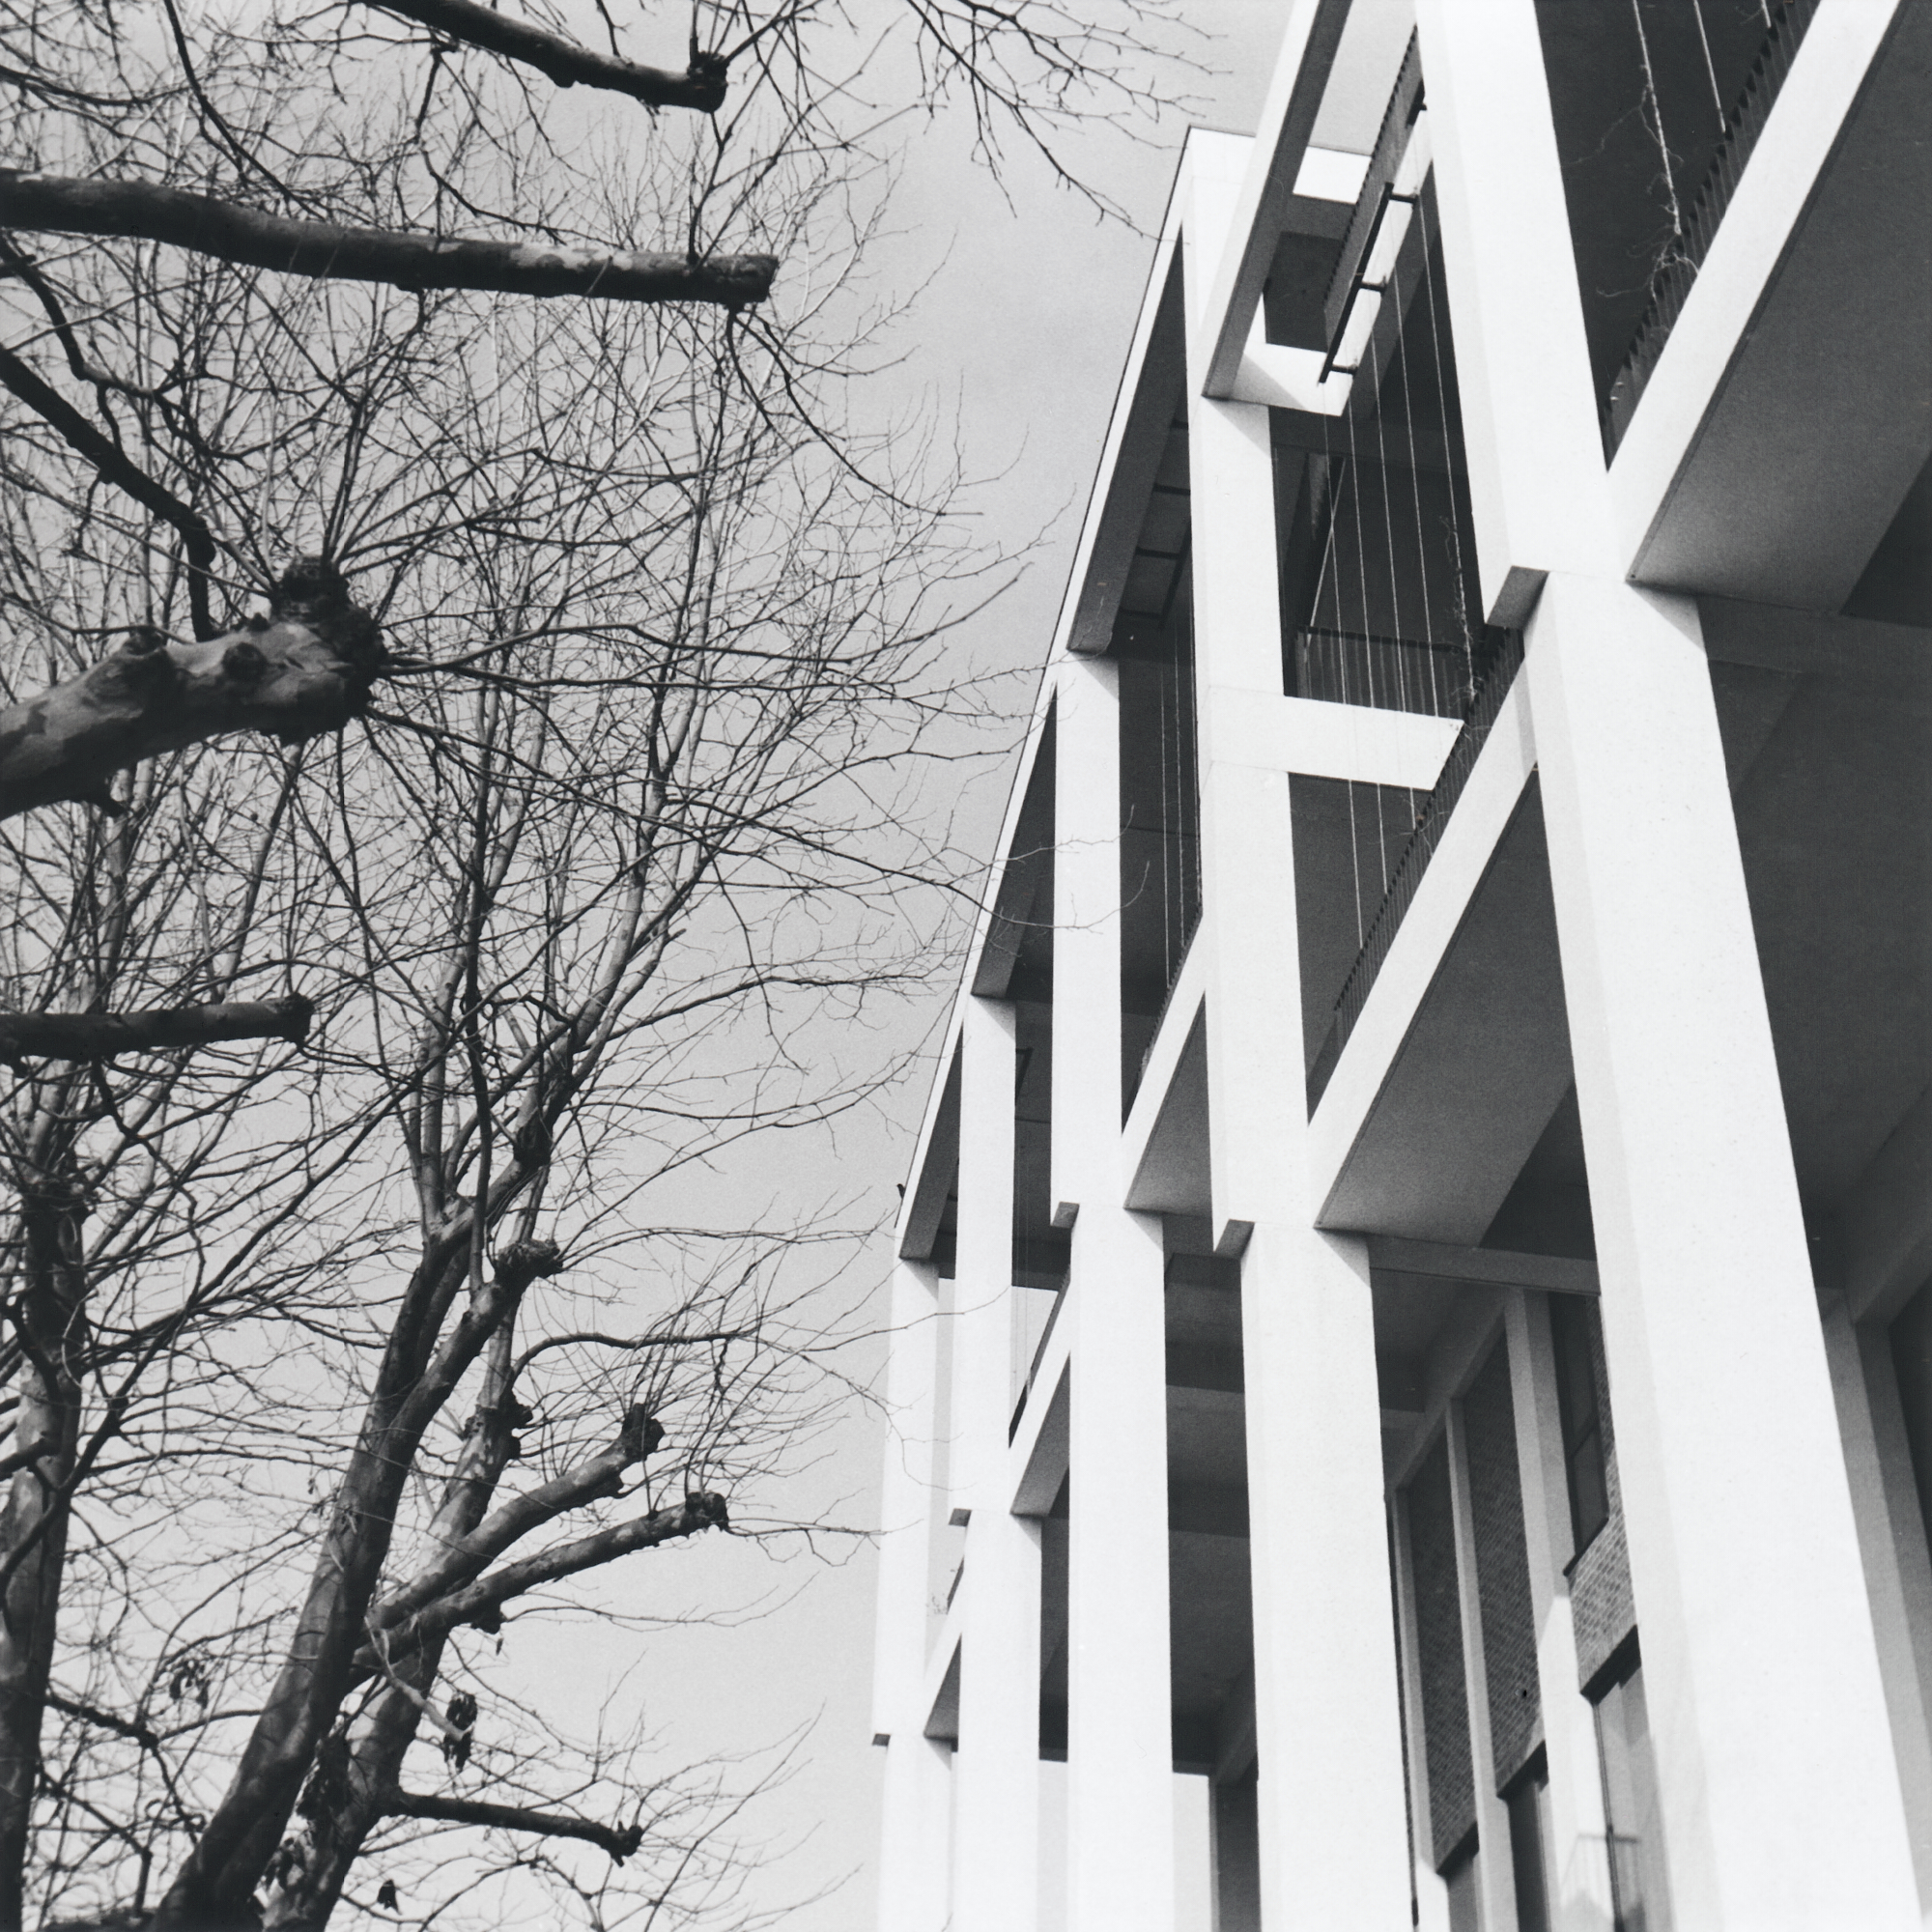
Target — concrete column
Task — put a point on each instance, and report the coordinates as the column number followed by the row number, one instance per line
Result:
column 1432, row 1895
column 1086, row 935
column 1120, row 1752
column 1495, row 1875
column 1523, row 363
column 996, row 1769
column 917, row 1797
column 1891, row 1534
column 1334, row 1839
column 1780, row 1793
column 1578, row 1860
column 1119, row 1749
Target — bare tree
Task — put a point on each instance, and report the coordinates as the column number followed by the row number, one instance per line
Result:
column 399, row 952
column 630, row 811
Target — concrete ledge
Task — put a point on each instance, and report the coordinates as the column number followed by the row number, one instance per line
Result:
column 1470, row 842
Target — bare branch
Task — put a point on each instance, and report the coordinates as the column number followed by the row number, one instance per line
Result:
column 327, row 251
column 566, row 64
column 118, row 467
column 103, row 1035
column 596, row 1476
column 482, row 1603
column 619, row 1843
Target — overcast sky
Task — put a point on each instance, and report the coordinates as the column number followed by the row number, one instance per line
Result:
column 1021, row 333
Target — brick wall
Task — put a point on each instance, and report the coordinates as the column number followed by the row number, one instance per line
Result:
column 1502, row 1568
column 1601, row 1603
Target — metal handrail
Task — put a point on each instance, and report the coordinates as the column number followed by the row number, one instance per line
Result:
column 1405, row 103
column 1503, row 659
column 1444, row 670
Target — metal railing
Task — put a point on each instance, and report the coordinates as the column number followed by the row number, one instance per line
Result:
column 1674, row 275
column 1389, row 673
column 1496, row 669
column 1405, row 103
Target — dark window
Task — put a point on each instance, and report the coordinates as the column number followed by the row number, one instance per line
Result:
column 1639, row 1892
column 1573, row 1325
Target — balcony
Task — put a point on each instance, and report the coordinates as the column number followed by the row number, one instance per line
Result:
column 1500, row 660
column 1676, row 271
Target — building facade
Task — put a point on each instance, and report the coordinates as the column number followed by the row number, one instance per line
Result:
column 1413, row 1322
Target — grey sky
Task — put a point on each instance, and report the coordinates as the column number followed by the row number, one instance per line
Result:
column 1023, row 329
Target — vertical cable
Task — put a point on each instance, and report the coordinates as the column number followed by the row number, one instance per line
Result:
column 1709, row 67
column 1342, row 643
column 1656, row 126
column 1415, row 487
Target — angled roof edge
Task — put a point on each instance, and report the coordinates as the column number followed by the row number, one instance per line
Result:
column 1155, row 356
column 989, row 893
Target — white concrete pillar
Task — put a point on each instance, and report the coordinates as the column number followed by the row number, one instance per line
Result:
column 1495, row 1875
column 1327, row 1720
column 1087, row 935
column 1333, row 1836
column 1891, row 1534
column 1779, row 1790
column 1523, row 363
column 1120, row 1870
column 996, row 1768
column 1120, row 1752
column 1577, row 1859
column 917, row 1797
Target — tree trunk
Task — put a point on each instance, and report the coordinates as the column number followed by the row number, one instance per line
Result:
column 306, row 669
column 213, row 1890
column 327, row 251
column 346, row 1797
column 357, row 1772
column 52, row 1315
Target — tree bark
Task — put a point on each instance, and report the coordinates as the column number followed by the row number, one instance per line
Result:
column 619, row 1841
column 306, row 669
column 51, row 1316
column 566, row 64
column 91, row 1036
column 326, row 251
column 465, row 1551
column 358, row 1769
column 214, row 1889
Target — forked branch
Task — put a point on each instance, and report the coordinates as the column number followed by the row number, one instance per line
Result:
column 115, row 466
column 566, row 64
column 481, row 1604
column 304, row 670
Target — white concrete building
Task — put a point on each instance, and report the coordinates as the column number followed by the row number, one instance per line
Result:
column 1413, row 1345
